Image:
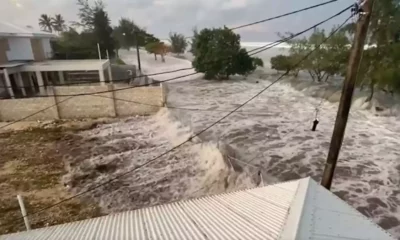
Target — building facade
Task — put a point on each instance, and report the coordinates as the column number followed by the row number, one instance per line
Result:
column 26, row 68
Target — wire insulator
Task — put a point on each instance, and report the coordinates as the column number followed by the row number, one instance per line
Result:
column 315, row 124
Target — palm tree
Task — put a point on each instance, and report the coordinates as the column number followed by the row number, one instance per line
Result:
column 45, row 23
column 58, row 23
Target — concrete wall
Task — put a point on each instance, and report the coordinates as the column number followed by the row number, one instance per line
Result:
column 108, row 104
column 16, row 109
column 19, row 49
column 148, row 96
column 48, row 51
column 121, row 72
column 85, row 106
column 37, row 49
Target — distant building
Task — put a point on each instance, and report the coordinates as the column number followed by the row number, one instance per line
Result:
column 26, row 68
column 23, row 44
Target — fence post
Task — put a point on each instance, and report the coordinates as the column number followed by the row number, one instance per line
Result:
column 114, row 103
column 23, row 211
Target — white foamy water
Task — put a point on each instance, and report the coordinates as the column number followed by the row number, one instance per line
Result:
column 197, row 169
column 273, row 132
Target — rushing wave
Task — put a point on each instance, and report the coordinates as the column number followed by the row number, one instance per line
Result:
column 273, row 134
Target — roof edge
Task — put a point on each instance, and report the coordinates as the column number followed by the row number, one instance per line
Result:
column 291, row 228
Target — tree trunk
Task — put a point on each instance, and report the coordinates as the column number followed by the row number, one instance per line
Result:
column 371, row 86
column 326, row 77
column 162, row 58
column 319, row 75
column 312, row 75
column 155, row 56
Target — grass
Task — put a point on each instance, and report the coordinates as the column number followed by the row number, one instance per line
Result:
column 31, row 165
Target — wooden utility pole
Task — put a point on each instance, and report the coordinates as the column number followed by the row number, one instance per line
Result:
column 347, row 92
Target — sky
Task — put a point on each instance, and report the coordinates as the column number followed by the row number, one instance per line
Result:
column 160, row 17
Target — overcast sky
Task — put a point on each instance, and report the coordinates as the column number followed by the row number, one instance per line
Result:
column 162, row 16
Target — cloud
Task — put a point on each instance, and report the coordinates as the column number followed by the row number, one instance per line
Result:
column 162, row 16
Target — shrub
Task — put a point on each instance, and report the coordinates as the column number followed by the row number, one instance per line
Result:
column 219, row 55
column 281, row 63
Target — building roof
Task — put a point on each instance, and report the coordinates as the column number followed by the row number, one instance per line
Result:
column 11, row 30
column 299, row 209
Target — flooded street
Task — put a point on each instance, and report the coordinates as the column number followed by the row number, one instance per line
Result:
column 273, row 134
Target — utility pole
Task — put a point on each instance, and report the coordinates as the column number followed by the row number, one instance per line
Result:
column 364, row 11
column 138, row 53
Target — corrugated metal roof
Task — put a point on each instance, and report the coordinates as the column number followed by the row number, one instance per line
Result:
column 293, row 210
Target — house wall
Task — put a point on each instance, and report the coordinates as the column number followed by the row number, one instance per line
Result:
column 48, row 51
column 19, row 49
column 37, row 48
column 104, row 105
column 4, row 47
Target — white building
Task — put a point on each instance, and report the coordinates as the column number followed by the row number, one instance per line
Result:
column 25, row 65
column 296, row 210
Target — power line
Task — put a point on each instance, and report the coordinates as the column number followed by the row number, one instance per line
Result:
column 242, row 26
column 281, row 16
column 270, row 45
column 191, row 74
column 190, row 138
column 258, row 50
column 284, row 15
column 83, row 94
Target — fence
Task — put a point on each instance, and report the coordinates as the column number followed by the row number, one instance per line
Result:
column 108, row 104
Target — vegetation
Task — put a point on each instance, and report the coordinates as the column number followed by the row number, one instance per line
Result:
column 58, row 23
column 195, row 35
column 326, row 61
column 102, row 31
column 96, row 27
column 178, row 43
column 281, row 63
column 157, row 48
column 257, row 62
column 128, row 34
column 379, row 67
column 218, row 54
column 74, row 45
column 45, row 23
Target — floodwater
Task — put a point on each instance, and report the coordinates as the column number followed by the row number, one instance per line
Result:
column 272, row 134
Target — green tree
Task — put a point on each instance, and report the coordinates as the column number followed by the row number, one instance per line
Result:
column 103, row 32
column 380, row 60
column 87, row 12
column 281, row 63
column 45, row 23
column 156, row 48
column 178, row 43
column 258, row 62
column 193, row 45
column 128, row 34
column 219, row 55
column 325, row 61
column 74, row 45
column 58, row 23
column 94, row 19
